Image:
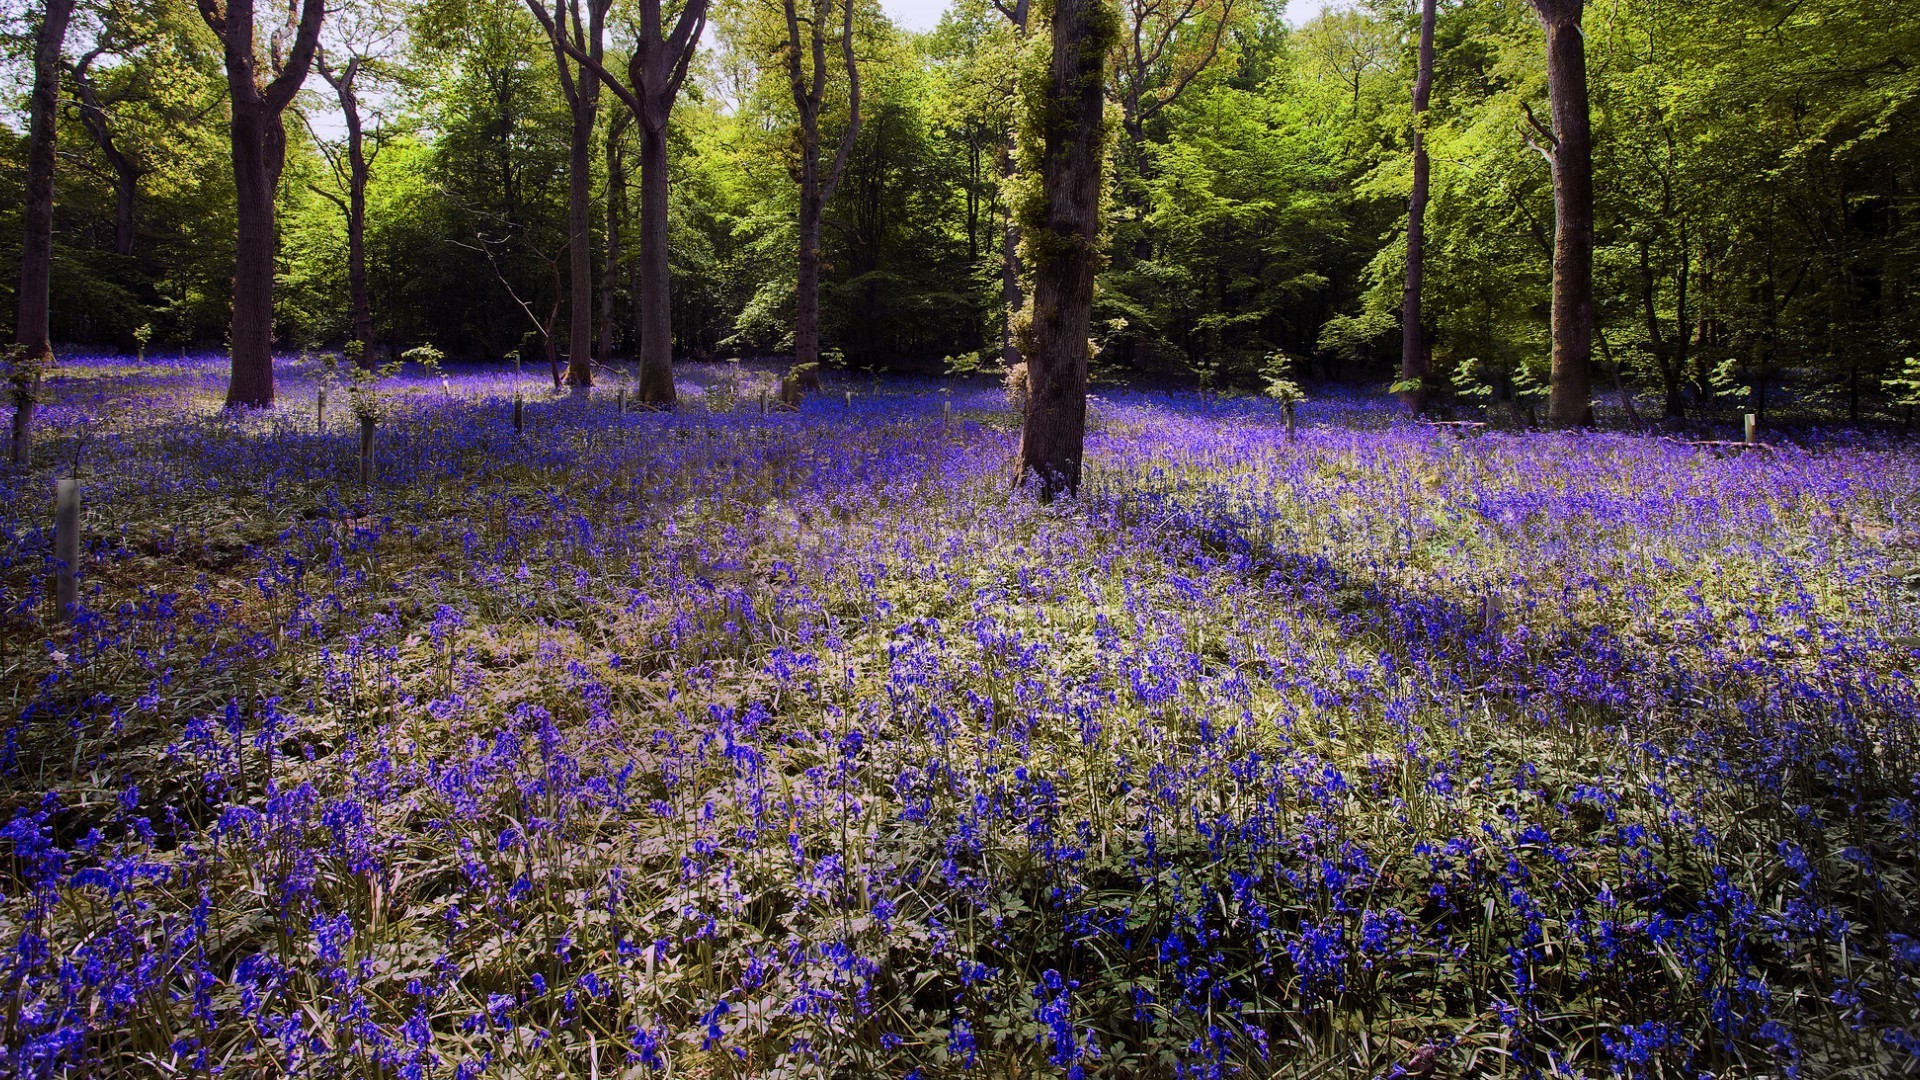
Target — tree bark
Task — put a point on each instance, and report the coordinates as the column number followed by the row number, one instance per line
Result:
column 1415, row 358
column 1570, row 398
column 259, row 149
column 1067, row 143
column 32, row 330
column 656, row 300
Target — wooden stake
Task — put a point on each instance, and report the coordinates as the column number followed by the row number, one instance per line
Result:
column 1753, row 428
column 1290, row 430
column 519, row 422
column 66, row 549
column 1491, row 611
column 366, row 451
column 320, row 411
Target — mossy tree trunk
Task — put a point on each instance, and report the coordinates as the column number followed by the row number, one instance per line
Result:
column 1064, row 142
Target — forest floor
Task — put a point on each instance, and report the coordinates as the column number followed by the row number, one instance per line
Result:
column 724, row 742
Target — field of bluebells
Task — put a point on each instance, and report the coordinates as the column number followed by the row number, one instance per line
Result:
column 727, row 743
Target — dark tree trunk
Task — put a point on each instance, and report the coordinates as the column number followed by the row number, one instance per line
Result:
column 1415, row 360
column 806, row 296
column 580, row 233
column 31, row 330
column 1570, row 399
column 359, row 170
column 616, row 209
column 1062, row 224
column 655, row 300
column 259, row 148
column 126, row 172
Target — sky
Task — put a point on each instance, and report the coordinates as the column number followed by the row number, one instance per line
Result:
column 925, row 14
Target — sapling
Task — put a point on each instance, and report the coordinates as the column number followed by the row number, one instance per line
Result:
column 363, row 395
column 141, row 335
column 329, row 378
column 1282, row 388
column 429, row 359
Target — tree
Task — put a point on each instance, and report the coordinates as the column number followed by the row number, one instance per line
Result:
column 360, row 39
column 809, row 87
column 96, row 119
column 577, row 48
column 616, row 210
column 36, row 244
column 258, row 134
column 1569, row 152
column 1164, row 45
column 36, row 240
column 1063, row 148
column 1010, row 299
column 656, row 69
column 1415, row 355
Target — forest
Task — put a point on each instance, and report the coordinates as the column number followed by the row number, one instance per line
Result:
column 1012, row 538
column 1754, row 171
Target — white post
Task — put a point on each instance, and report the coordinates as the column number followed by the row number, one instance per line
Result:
column 1753, row 425
column 66, row 548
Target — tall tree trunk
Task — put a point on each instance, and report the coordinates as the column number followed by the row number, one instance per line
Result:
column 580, row 235
column 806, row 297
column 816, row 188
column 615, row 209
column 1010, row 298
column 359, row 172
column 126, row 173
column 31, row 330
column 1570, row 398
column 655, row 301
column 1067, row 142
column 259, row 144
column 1415, row 359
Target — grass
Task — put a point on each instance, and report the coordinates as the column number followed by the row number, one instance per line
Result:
column 724, row 743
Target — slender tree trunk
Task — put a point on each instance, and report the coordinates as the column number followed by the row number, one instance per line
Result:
column 580, row 237
column 1415, row 361
column 1570, row 399
column 806, row 300
column 655, row 301
column 1062, row 222
column 32, row 330
column 615, row 209
column 357, row 177
column 1010, row 298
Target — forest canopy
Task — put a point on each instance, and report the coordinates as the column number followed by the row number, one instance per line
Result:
column 1755, row 172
